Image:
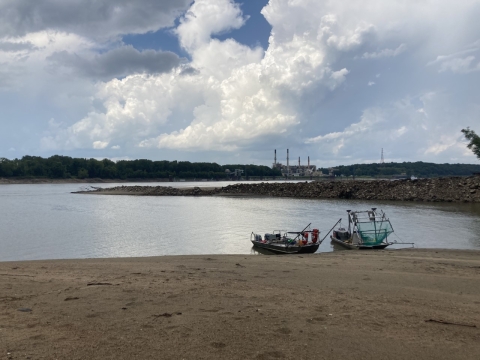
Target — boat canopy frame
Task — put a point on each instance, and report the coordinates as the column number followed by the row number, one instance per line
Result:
column 371, row 226
column 284, row 234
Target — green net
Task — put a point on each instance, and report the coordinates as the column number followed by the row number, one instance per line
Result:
column 373, row 233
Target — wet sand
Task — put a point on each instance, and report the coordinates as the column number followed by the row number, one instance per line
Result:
column 404, row 304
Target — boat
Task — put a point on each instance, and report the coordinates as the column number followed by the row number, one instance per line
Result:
column 367, row 230
column 288, row 242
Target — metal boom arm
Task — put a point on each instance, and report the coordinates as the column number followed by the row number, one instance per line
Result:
column 301, row 232
column 330, row 230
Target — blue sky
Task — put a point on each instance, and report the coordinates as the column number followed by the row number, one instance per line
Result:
column 200, row 81
column 255, row 32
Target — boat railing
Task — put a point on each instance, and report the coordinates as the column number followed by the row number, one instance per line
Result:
column 369, row 215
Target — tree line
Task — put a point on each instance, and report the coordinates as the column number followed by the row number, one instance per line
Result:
column 418, row 169
column 61, row 167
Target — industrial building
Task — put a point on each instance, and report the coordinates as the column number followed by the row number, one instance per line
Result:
column 294, row 170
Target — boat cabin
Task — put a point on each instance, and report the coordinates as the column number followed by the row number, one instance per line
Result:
column 341, row 234
column 272, row 237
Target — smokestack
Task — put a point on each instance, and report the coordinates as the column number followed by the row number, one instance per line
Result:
column 288, row 166
column 299, row 161
column 309, row 163
column 275, row 160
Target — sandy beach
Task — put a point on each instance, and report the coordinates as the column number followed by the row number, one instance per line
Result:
column 403, row 304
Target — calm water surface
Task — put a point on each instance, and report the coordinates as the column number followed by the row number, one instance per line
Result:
column 48, row 222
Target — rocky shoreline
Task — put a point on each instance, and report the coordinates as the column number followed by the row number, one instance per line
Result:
column 451, row 189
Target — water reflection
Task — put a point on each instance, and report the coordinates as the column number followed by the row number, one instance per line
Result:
column 47, row 221
column 260, row 251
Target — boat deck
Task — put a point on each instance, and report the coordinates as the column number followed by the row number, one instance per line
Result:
column 351, row 246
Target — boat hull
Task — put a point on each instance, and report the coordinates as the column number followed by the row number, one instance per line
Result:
column 282, row 249
column 357, row 247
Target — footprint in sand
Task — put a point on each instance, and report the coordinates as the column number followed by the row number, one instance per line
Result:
column 316, row 319
column 211, row 310
column 271, row 355
column 285, row 331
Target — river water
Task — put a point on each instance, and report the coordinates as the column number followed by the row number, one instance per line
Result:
column 46, row 221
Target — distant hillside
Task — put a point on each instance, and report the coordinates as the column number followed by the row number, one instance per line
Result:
column 64, row 167
column 418, row 169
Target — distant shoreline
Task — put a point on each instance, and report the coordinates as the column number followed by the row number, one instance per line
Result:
column 10, row 181
column 26, row 181
column 13, row 181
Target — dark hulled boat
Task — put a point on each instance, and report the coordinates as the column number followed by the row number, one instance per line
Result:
column 288, row 242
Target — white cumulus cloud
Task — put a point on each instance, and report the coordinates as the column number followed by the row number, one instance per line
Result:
column 100, row 145
column 236, row 96
column 402, row 129
column 306, row 91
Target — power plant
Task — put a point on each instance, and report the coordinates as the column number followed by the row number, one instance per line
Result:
column 292, row 171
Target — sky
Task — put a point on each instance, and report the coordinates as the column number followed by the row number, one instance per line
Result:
column 229, row 81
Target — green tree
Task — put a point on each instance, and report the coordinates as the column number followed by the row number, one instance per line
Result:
column 57, row 170
column 474, row 139
column 94, row 168
column 6, row 167
column 82, row 173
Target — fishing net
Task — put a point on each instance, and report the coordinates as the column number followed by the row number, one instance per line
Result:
column 373, row 233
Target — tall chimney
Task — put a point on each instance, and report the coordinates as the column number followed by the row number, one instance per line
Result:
column 299, row 161
column 288, row 164
column 275, row 160
column 309, row 163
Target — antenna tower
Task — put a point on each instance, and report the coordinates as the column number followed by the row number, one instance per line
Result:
column 382, row 160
